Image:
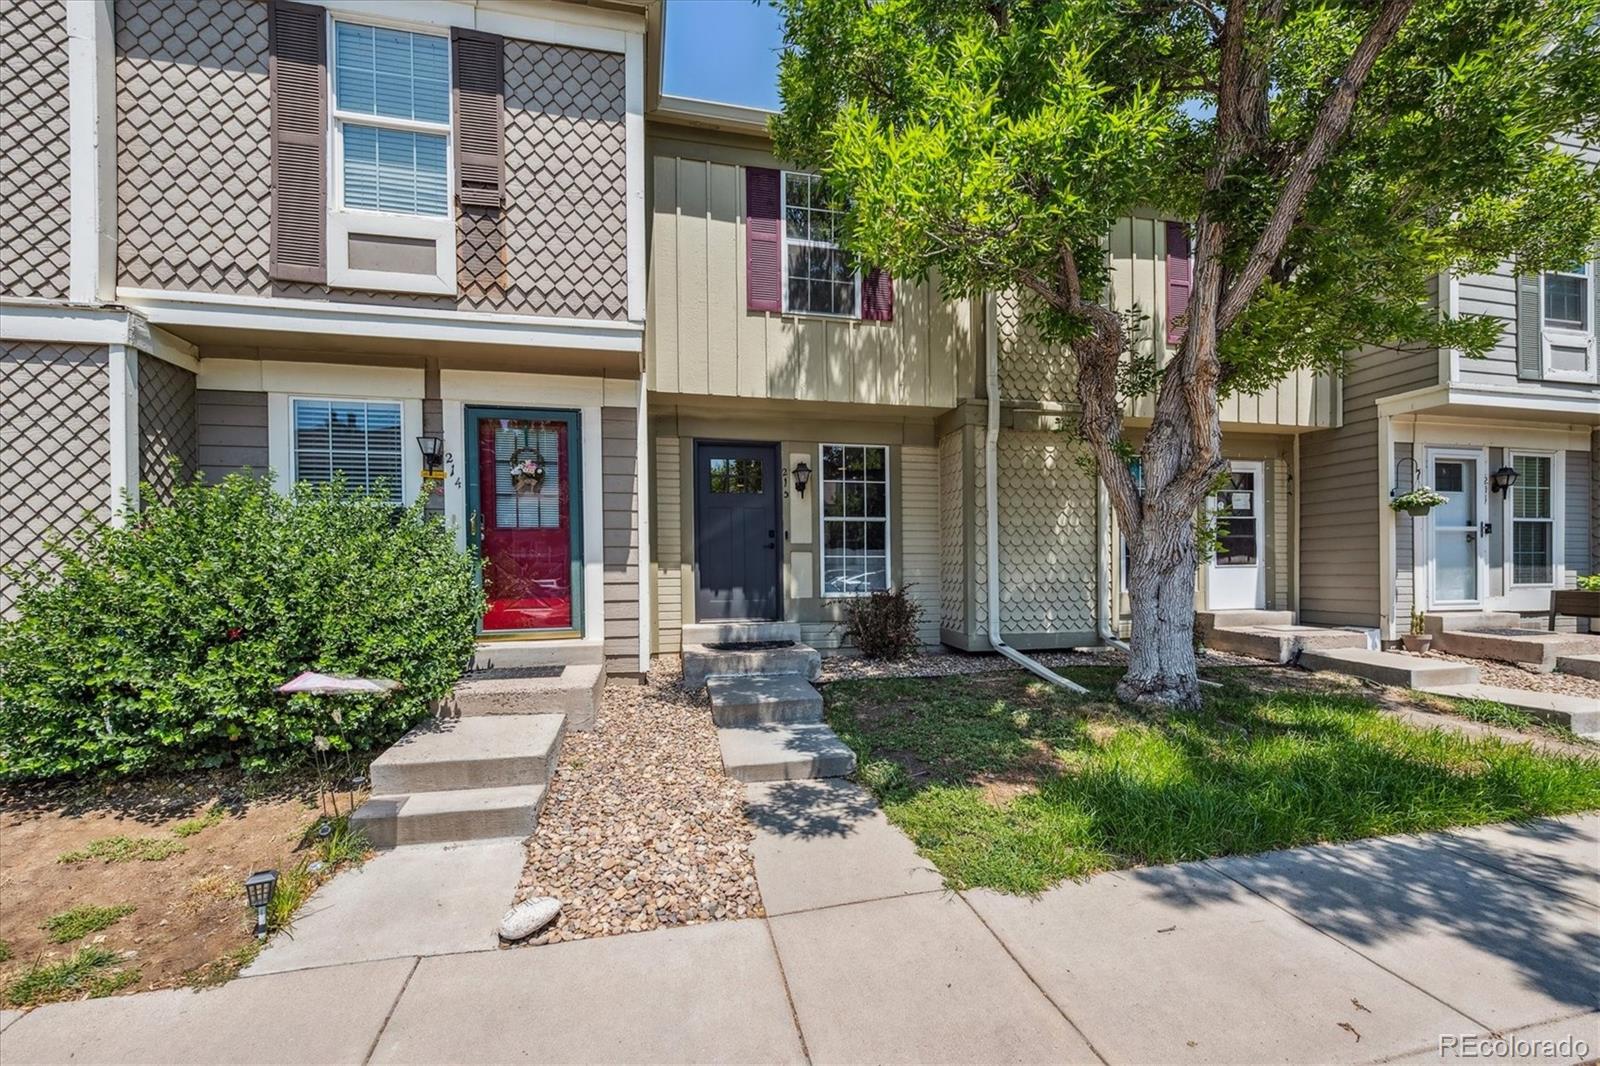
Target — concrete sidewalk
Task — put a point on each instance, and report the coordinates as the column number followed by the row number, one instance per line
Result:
column 1358, row 953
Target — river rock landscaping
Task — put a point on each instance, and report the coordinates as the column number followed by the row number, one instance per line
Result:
column 641, row 828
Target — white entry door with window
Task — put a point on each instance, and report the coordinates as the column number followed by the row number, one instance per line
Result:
column 1236, row 575
column 1455, row 541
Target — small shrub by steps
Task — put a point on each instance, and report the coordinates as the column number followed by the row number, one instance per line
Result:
column 883, row 625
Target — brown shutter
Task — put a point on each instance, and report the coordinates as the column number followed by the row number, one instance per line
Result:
column 1178, row 280
column 763, row 240
column 877, row 296
column 298, row 75
column 480, row 77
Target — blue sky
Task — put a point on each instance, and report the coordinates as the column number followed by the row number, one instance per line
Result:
column 723, row 50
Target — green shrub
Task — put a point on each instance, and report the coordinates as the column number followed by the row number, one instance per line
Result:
column 883, row 625
column 161, row 644
column 1589, row 582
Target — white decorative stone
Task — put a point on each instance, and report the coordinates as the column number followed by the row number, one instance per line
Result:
column 528, row 917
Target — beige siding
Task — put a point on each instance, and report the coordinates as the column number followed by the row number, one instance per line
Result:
column 1340, row 469
column 231, row 432
column 668, row 532
column 34, row 183
column 703, row 340
column 54, row 450
column 619, row 457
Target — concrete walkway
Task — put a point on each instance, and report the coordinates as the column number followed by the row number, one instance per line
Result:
column 1359, row 953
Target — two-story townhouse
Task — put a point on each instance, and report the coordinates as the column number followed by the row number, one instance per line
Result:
column 331, row 238
column 1510, row 440
column 819, row 431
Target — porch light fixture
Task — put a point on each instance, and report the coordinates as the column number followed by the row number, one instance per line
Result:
column 1502, row 480
column 258, row 889
column 802, row 477
column 432, row 456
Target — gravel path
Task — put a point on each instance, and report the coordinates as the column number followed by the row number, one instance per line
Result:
column 641, row 829
column 945, row 664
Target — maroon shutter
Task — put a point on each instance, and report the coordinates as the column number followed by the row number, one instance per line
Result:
column 763, row 239
column 298, row 77
column 1178, row 280
column 480, row 75
column 877, row 296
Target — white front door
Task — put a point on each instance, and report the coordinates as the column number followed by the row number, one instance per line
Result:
column 1455, row 548
column 1236, row 575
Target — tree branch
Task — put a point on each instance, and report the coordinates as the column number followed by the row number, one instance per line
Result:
column 1332, row 122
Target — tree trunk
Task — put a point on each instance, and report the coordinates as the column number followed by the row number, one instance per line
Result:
column 1161, row 662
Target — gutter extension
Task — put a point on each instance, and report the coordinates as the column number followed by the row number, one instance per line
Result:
column 991, row 513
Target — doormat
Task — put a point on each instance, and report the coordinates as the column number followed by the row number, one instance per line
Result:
column 518, row 672
column 751, row 645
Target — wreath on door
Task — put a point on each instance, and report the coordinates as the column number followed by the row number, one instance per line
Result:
column 527, row 469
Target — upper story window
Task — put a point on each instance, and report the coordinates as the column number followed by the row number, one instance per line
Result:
column 1569, row 329
column 818, row 276
column 391, row 118
column 358, row 440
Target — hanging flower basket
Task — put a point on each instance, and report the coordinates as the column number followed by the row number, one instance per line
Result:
column 527, row 470
column 1418, row 502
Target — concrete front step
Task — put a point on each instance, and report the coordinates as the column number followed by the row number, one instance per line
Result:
column 496, row 654
column 794, row 751
column 740, row 632
column 1579, row 665
column 1281, row 643
column 573, row 691
column 438, row 817
column 1532, row 648
column 1437, row 622
column 763, row 700
column 1581, row 714
column 1206, row 621
column 701, row 662
column 489, row 751
column 1390, row 668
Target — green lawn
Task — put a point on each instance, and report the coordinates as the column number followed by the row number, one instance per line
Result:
column 1006, row 782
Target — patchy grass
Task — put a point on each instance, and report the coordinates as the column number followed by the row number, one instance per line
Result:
column 222, row 970
column 5, row 951
column 81, row 921
column 1005, row 782
column 1504, row 715
column 190, row 826
column 89, row 971
column 124, row 849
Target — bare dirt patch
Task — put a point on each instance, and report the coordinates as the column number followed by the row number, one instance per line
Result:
column 189, row 905
column 642, row 829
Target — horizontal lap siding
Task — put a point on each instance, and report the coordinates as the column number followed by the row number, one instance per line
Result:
column 1339, row 475
column 619, row 451
column 667, row 529
column 230, row 433
column 1581, row 506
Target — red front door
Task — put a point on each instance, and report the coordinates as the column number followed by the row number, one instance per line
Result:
column 524, row 499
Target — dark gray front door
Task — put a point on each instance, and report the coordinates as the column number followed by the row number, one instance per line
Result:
column 736, row 531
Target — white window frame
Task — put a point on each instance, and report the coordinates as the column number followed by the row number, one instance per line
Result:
column 1564, row 336
column 783, row 254
column 410, row 429
column 1556, row 520
column 344, row 221
column 823, row 519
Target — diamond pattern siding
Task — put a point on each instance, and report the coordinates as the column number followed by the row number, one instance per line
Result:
column 952, row 536
column 34, row 223
column 54, row 451
column 1047, row 531
column 1030, row 369
column 194, row 181
column 167, row 417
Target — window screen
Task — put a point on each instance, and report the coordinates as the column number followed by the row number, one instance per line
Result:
column 855, row 519
column 359, row 440
column 401, row 80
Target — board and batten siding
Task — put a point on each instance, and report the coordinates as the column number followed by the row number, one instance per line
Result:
column 1033, row 371
column 703, row 340
column 620, row 550
column 1339, row 474
column 919, row 536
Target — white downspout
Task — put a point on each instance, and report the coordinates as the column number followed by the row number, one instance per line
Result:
column 991, row 510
